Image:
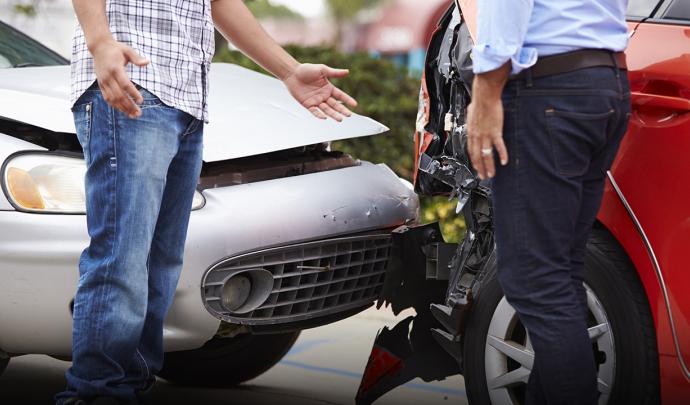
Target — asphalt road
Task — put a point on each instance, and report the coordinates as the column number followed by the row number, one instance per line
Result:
column 324, row 367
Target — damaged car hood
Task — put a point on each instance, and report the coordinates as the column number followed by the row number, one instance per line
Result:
column 251, row 113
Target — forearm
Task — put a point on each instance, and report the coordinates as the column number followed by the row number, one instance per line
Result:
column 234, row 20
column 93, row 21
column 488, row 87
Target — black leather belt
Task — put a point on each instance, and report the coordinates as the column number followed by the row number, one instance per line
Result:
column 571, row 61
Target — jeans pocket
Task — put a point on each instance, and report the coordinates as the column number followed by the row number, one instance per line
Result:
column 82, row 122
column 575, row 137
column 150, row 100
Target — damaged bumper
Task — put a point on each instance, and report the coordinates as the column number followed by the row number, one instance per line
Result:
column 41, row 275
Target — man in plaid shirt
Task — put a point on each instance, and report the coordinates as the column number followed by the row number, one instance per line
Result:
column 139, row 88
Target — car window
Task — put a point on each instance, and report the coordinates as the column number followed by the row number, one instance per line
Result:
column 18, row 50
column 641, row 8
column 678, row 10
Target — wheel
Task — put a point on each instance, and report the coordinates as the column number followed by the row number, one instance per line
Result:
column 497, row 353
column 226, row 362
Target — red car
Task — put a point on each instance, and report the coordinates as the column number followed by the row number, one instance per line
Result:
column 637, row 277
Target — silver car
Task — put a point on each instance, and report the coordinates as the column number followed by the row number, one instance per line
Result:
column 285, row 234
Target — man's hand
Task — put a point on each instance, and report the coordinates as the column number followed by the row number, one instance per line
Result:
column 485, row 131
column 311, row 86
column 485, row 122
column 110, row 59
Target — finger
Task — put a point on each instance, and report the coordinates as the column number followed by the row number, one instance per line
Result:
column 339, row 107
column 335, row 73
column 128, row 104
column 118, row 98
column 502, row 150
column 318, row 113
column 105, row 91
column 130, row 89
column 488, row 158
column 135, row 58
column 330, row 112
column 344, row 97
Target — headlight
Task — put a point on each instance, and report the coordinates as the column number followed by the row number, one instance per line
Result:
column 198, row 202
column 51, row 184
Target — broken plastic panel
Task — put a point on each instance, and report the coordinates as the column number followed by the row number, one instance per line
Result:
column 419, row 252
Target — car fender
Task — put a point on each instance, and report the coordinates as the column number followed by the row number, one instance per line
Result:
column 615, row 217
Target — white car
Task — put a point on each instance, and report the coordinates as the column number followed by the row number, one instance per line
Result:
column 285, row 234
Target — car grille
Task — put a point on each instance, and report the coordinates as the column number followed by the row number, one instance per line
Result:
column 309, row 280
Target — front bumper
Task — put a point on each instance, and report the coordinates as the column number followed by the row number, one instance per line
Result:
column 39, row 254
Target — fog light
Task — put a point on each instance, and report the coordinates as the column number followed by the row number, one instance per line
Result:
column 246, row 291
column 236, row 292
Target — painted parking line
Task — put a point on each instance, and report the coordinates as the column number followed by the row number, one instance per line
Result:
column 307, row 345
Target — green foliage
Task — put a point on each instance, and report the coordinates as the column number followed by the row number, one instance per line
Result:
column 26, row 9
column 439, row 209
column 347, row 9
column 388, row 94
column 264, row 8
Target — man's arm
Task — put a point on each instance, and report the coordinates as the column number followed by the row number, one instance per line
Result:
column 485, row 121
column 502, row 27
column 309, row 84
column 109, row 57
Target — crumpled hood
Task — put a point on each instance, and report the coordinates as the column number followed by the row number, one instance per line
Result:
column 250, row 113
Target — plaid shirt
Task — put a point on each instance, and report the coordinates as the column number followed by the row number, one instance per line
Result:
column 177, row 37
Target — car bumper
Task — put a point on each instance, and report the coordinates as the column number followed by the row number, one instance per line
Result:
column 39, row 254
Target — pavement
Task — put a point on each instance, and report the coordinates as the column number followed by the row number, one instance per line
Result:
column 324, row 367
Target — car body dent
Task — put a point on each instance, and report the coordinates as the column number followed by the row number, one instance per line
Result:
column 40, row 276
column 250, row 113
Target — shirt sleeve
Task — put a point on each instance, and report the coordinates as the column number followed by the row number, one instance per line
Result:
column 501, row 29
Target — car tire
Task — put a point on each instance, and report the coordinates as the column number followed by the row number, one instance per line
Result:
column 227, row 362
column 614, row 286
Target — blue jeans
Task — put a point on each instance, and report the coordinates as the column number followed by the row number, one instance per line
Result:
column 140, row 184
column 562, row 133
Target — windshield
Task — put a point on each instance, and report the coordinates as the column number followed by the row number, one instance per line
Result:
column 18, row 50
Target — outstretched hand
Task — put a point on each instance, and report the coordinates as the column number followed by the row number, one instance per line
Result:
column 311, row 86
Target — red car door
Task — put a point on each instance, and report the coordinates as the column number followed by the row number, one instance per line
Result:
column 653, row 166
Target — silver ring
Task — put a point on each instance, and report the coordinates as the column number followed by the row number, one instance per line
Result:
column 487, row 152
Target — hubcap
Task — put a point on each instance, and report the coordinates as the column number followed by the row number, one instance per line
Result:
column 508, row 354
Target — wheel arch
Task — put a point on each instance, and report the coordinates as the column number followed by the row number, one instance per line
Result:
column 614, row 219
column 617, row 221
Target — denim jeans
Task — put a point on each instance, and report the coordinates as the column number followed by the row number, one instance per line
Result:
column 140, row 184
column 562, row 133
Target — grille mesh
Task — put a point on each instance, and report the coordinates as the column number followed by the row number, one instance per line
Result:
column 309, row 280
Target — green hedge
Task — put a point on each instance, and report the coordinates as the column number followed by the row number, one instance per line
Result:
column 386, row 93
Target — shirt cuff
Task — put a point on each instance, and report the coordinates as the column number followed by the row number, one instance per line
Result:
column 486, row 58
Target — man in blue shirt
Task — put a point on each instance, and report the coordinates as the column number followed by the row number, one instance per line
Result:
column 551, row 100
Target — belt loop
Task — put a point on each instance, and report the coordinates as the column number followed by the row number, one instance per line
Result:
column 617, row 69
column 615, row 63
column 528, row 78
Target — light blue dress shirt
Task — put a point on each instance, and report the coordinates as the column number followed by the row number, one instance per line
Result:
column 524, row 30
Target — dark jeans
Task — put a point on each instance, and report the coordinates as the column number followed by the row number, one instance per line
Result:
column 562, row 133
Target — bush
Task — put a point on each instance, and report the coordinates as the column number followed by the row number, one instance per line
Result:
column 387, row 93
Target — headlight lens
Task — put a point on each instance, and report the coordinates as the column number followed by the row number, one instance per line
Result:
column 198, row 202
column 51, row 184
column 46, row 183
